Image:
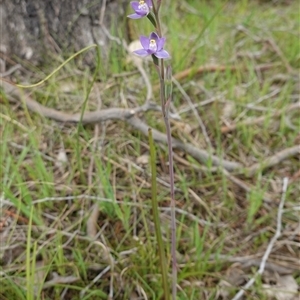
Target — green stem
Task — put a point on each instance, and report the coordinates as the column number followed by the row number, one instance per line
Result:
column 155, row 212
column 164, row 109
column 164, row 105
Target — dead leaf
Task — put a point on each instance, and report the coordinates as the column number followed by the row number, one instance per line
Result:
column 286, row 288
column 56, row 280
column 239, row 91
column 187, row 128
column 61, row 160
column 143, row 159
column 40, row 273
column 235, row 277
column 91, row 224
column 67, row 87
column 134, row 296
column 228, row 110
column 223, row 289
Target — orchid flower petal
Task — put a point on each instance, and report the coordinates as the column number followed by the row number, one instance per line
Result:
column 154, row 36
column 162, row 54
column 141, row 52
column 153, row 45
column 160, row 43
column 134, row 16
column 141, row 8
column 135, row 5
column 145, row 42
column 149, row 3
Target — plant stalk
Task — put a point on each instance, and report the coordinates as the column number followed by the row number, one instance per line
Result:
column 165, row 110
column 155, row 212
column 165, row 105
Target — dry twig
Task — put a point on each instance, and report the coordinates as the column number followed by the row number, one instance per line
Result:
column 215, row 68
column 259, row 120
column 197, row 116
column 273, row 160
column 270, row 246
column 130, row 116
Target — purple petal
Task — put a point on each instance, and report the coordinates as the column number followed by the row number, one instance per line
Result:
column 141, row 12
column 149, row 3
column 145, row 42
column 160, row 43
column 141, row 52
column 135, row 16
column 154, row 36
column 135, row 5
column 162, row 54
column 137, row 8
column 151, row 52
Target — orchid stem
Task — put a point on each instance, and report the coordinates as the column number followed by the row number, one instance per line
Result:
column 155, row 212
column 171, row 167
column 172, row 189
column 154, row 47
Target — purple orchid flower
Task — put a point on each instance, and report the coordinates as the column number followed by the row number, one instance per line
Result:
column 152, row 45
column 141, row 8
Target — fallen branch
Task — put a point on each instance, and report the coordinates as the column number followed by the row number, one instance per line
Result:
column 199, row 154
column 130, row 116
column 214, row 68
column 123, row 114
column 259, row 120
column 217, row 68
column 88, row 117
column 247, row 187
column 271, row 161
column 248, row 262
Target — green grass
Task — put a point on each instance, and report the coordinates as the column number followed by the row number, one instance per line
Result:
column 53, row 232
